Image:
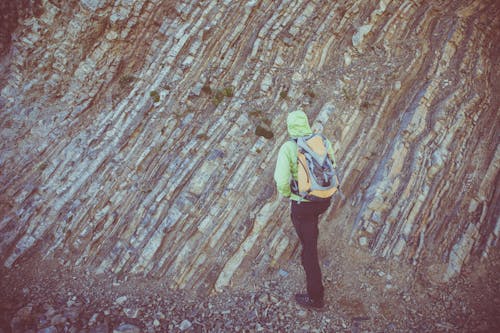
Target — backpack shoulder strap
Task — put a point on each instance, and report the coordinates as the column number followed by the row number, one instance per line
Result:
column 315, row 145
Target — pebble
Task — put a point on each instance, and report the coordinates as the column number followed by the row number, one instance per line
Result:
column 264, row 298
column 186, row 324
column 131, row 313
column 121, row 300
column 127, row 328
column 50, row 329
column 283, row 273
column 93, row 319
column 58, row 320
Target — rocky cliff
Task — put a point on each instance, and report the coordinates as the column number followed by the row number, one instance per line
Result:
column 139, row 137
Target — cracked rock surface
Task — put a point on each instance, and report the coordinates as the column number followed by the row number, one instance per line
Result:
column 138, row 142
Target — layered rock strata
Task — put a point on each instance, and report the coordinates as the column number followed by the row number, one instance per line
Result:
column 139, row 137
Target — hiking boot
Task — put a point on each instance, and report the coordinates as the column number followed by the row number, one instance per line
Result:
column 307, row 302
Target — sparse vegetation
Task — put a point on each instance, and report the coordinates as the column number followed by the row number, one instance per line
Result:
column 219, row 95
column 349, row 94
column 228, row 91
column 155, row 96
column 284, row 94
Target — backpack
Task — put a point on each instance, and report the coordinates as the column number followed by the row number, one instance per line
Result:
column 317, row 178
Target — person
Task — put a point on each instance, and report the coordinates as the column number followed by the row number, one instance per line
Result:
column 304, row 214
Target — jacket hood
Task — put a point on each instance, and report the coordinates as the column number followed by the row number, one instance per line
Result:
column 298, row 124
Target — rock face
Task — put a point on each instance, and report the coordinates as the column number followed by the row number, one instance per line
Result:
column 139, row 137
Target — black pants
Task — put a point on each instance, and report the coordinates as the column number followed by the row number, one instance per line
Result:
column 305, row 218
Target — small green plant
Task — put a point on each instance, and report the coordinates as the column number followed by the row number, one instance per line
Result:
column 228, row 91
column 284, row 94
column 155, row 96
column 348, row 94
column 218, row 97
column 221, row 93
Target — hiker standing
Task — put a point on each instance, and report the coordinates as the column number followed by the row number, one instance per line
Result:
column 304, row 213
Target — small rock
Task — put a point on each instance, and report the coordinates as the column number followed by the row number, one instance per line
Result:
column 283, row 273
column 186, row 324
column 127, row 328
column 58, row 319
column 264, row 298
column 347, row 59
column 358, row 37
column 297, row 77
column 22, row 317
column 93, row 319
column 72, row 314
column 101, row 328
column 131, row 313
column 306, row 328
column 50, row 311
column 266, row 83
column 279, row 61
column 251, row 316
column 121, row 300
column 50, row 329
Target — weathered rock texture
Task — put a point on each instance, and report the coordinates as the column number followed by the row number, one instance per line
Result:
column 139, row 137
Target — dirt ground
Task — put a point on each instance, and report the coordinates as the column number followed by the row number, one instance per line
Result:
column 363, row 294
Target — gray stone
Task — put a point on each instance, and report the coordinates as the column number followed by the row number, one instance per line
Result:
column 358, row 37
column 131, row 312
column 50, row 329
column 121, row 300
column 185, row 325
column 127, row 328
column 267, row 82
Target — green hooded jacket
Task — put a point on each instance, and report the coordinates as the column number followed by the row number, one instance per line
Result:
column 286, row 164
